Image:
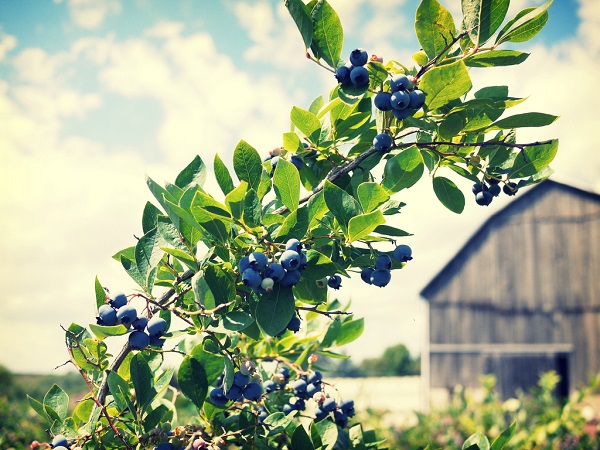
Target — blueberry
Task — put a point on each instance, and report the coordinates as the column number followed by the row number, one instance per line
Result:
column 381, row 277
column 383, row 262
column 241, row 380
column 262, row 415
column 358, row 57
column 290, row 260
column 253, row 391
column 157, row 326
column 383, row 101
column 329, row 405
column 299, row 404
column 315, row 377
column 165, row 446
column 478, row 187
column 285, row 371
column 402, row 253
column 483, row 198
column 126, row 315
column 107, row 315
column 258, row 260
column 340, row 418
column 269, row 386
column 140, row 323
column 400, row 82
column 342, row 74
column 365, row 274
column 293, row 244
column 402, row 114
column 359, row 76
column 334, row 282
column 417, row 99
column 274, row 161
column 156, row 341
column 267, row 284
column 59, row 440
column 383, row 142
column 495, row 190
column 244, row 263
column 287, row 408
column 300, row 386
column 217, row 397
column 251, row 278
column 138, row 340
column 303, row 261
column 118, row 301
column 347, row 406
column 291, row 278
column 234, row 393
column 297, row 161
column 294, row 324
column 312, row 389
column 275, row 271
column 400, row 100
column 320, row 414
column 510, row 188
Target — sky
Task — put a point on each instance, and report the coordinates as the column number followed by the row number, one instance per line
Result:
column 95, row 95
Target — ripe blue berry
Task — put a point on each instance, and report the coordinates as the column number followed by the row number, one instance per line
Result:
column 293, row 244
column 291, row 278
column 320, row 414
column 510, row 188
column 138, row 340
column 251, row 278
column 287, row 408
column 478, row 187
column 402, row 253
column 297, row 161
column 118, row 301
column 483, row 198
column 315, row 377
column 347, row 406
column 258, row 260
column 329, row 405
column 342, row 74
column 244, row 263
column 140, row 323
column 400, row 82
column 157, row 326
column 59, row 440
column 334, row 282
column 340, row 418
column 253, row 391
column 234, row 392
column 275, row 271
column 365, row 274
column 217, row 397
column 383, row 142
column 381, row 277
column 300, row 386
column 417, row 99
column 241, row 380
column 358, row 57
column 399, row 100
column 312, row 389
column 107, row 316
column 495, row 190
column 359, row 76
column 383, row 101
column 402, row 114
column 165, row 446
column 294, row 324
column 269, row 386
column 126, row 315
column 290, row 260
column 383, row 262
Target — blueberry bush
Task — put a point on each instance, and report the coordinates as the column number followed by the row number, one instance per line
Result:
column 241, row 284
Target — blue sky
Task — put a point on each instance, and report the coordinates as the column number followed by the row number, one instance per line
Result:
column 94, row 95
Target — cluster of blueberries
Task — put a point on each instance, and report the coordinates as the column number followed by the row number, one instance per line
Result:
column 380, row 275
column 145, row 332
column 304, row 388
column 404, row 100
column 354, row 73
column 243, row 387
column 485, row 193
column 260, row 274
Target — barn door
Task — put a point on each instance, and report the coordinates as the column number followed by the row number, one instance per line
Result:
column 521, row 372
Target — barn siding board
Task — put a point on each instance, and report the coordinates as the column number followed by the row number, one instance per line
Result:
column 541, row 255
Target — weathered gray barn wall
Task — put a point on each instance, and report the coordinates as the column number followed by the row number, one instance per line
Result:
column 522, row 296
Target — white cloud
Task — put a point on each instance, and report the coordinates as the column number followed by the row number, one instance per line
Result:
column 91, row 14
column 7, row 43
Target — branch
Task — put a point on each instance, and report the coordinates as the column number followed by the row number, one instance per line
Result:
column 325, row 313
column 433, row 61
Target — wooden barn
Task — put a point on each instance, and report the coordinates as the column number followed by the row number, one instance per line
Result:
column 521, row 297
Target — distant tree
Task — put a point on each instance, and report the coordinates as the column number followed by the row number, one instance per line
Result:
column 395, row 361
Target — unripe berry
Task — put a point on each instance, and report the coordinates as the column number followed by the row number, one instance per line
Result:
column 267, row 284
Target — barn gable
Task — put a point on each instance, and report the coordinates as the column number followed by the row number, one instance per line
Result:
column 524, row 291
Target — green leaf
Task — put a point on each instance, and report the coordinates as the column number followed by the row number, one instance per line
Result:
column 533, row 159
column 301, row 16
column 143, row 382
column 391, row 231
column 328, row 36
column 434, row 26
column 307, row 123
column 56, row 403
column 234, row 321
column 104, row 331
column 444, row 83
column 308, row 291
column 477, row 441
column 217, row 225
column 318, row 266
column 247, row 164
column 530, row 119
column 333, row 332
column 275, row 309
column 295, row 225
column 155, row 417
column 223, row 176
column 403, row 170
column 100, row 293
column 525, row 25
column 286, row 182
column 213, row 364
column 291, row 142
column 503, row 438
column 191, row 378
column 159, row 192
column 496, row 58
column 355, row 435
column 328, row 432
column 341, row 204
column 148, row 253
column 150, row 217
column 119, row 389
column 301, row 439
column 351, row 330
column 235, row 200
column 38, row 407
column 220, row 284
column 193, row 174
column 482, row 18
column 252, row 209
column 362, row 225
column 371, row 196
column 450, row 195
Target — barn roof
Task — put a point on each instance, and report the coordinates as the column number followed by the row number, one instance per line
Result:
column 455, row 264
